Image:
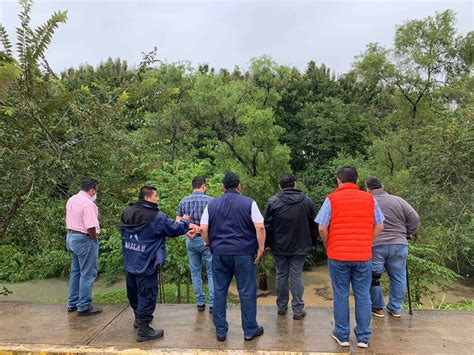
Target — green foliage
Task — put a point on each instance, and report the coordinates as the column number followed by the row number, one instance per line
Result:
column 111, row 260
column 17, row 266
column 403, row 113
column 466, row 305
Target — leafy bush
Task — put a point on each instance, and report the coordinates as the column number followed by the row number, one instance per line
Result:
column 110, row 256
column 16, row 266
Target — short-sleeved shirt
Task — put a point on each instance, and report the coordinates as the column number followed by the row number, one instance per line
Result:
column 256, row 215
column 193, row 205
column 82, row 213
column 324, row 215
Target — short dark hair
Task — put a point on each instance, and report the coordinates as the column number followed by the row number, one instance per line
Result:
column 198, row 181
column 373, row 183
column 88, row 184
column 231, row 181
column 347, row 174
column 287, row 181
column 146, row 191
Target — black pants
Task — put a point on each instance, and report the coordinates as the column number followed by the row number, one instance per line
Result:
column 142, row 291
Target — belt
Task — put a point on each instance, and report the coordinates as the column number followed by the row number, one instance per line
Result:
column 77, row 232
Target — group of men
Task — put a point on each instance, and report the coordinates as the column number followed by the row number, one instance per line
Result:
column 364, row 233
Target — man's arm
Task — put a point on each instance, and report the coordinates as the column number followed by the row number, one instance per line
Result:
column 90, row 220
column 312, row 225
column 412, row 219
column 378, row 228
column 204, row 228
column 324, row 219
column 268, row 220
column 378, row 219
column 258, row 222
column 175, row 229
column 323, row 233
column 260, row 228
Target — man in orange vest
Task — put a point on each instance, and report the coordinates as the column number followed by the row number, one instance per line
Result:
column 349, row 220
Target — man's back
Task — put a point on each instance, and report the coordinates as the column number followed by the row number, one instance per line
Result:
column 231, row 228
column 352, row 224
column 401, row 219
column 81, row 213
column 193, row 205
column 289, row 222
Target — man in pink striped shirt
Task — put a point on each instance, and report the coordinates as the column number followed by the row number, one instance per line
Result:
column 82, row 223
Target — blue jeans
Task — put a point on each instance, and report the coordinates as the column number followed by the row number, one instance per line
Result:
column 224, row 267
column 359, row 275
column 393, row 258
column 197, row 251
column 85, row 255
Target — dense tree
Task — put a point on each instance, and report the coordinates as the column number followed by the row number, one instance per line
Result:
column 403, row 113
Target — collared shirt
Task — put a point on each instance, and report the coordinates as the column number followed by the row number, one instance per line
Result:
column 193, row 205
column 82, row 213
column 324, row 215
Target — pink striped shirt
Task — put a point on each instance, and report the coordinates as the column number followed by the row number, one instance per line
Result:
column 82, row 213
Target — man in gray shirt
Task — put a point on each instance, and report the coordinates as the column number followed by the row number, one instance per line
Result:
column 390, row 248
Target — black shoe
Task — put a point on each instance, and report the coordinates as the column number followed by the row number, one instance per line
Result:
column 221, row 338
column 201, row 307
column 72, row 309
column 135, row 324
column 145, row 332
column 281, row 312
column 89, row 312
column 211, row 309
column 258, row 333
column 299, row 316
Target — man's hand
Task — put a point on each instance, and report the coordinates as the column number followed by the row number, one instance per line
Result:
column 323, row 233
column 193, row 230
column 185, row 216
column 268, row 249
column 259, row 256
column 92, row 233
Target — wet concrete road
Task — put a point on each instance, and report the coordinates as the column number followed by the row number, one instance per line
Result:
column 34, row 327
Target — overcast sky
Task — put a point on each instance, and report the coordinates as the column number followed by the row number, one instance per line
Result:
column 227, row 33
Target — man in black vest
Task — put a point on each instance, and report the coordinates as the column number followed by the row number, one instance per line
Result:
column 232, row 226
column 291, row 235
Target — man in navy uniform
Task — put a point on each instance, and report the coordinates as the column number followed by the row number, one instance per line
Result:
column 144, row 228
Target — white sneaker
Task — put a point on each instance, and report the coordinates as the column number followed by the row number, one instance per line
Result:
column 341, row 343
column 362, row 344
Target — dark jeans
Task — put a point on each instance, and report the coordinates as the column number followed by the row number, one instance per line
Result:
column 224, row 267
column 142, row 291
column 289, row 275
column 359, row 275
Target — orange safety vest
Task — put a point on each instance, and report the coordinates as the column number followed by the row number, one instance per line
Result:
column 352, row 224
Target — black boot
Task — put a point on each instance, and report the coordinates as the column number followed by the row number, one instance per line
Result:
column 145, row 332
column 135, row 322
